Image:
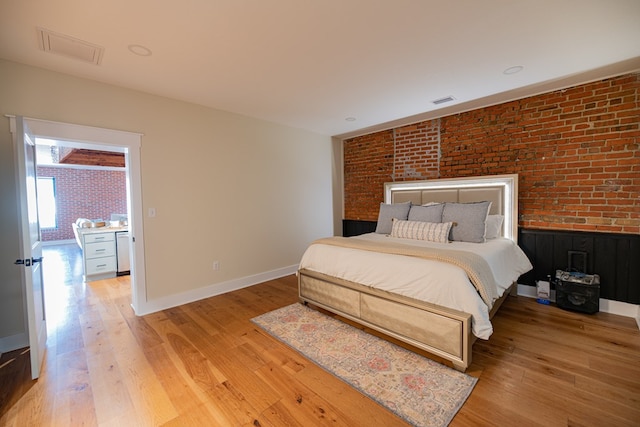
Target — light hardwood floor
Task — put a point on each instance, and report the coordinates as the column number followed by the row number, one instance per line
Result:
column 206, row 364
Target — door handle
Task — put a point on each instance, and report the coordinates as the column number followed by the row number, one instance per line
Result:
column 34, row 260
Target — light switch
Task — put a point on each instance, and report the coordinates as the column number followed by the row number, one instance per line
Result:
column 152, row 212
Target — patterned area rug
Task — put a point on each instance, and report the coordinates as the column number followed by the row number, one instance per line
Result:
column 417, row 389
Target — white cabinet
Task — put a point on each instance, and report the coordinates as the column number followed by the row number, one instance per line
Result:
column 99, row 255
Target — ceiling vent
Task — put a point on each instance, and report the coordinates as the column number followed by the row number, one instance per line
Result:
column 70, row 47
column 443, row 100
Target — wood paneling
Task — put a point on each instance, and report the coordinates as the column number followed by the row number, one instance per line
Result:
column 79, row 156
column 355, row 228
column 614, row 257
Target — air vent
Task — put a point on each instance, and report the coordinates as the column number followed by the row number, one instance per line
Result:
column 443, row 100
column 70, row 47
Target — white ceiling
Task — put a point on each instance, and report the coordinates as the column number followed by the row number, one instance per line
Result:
column 312, row 64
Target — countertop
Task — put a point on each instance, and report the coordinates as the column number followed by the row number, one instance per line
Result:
column 107, row 229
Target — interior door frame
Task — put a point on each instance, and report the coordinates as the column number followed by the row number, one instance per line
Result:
column 110, row 140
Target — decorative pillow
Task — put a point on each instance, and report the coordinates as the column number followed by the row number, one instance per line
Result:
column 494, row 226
column 470, row 219
column 390, row 211
column 431, row 213
column 420, row 230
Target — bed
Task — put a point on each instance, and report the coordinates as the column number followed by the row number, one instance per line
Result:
column 405, row 281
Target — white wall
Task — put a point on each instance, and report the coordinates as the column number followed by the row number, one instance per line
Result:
column 245, row 192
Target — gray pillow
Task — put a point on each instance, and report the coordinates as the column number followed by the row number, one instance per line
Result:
column 390, row 211
column 431, row 213
column 470, row 220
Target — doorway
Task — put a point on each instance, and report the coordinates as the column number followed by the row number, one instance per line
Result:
column 76, row 183
column 110, row 140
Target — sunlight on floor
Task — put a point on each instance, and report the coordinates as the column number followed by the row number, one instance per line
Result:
column 62, row 270
column 66, row 294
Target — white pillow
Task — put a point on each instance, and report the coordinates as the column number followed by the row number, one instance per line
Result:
column 494, row 226
column 420, row 230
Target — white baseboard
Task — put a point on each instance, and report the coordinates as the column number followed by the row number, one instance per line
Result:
column 59, row 242
column 607, row 306
column 170, row 301
column 14, row 342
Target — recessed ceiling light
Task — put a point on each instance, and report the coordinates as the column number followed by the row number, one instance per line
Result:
column 350, row 119
column 513, row 70
column 139, row 50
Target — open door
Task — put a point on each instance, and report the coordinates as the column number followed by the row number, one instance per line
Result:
column 30, row 244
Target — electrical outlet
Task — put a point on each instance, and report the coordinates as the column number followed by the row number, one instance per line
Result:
column 216, row 265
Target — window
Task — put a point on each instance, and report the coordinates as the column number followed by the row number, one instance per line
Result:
column 47, row 202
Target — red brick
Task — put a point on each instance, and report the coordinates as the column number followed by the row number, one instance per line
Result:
column 84, row 193
column 574, row 141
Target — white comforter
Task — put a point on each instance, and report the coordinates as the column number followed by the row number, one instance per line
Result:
column 432, row 281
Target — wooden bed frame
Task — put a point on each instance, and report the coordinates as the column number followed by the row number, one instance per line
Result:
column 438, row 330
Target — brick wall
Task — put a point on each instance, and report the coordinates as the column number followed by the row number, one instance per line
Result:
column 401, row 154
column 417, row 151
column 577, row 153
column 84, row 193
column 368, row 164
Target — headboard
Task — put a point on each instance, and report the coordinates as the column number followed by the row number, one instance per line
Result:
column 500, row 190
